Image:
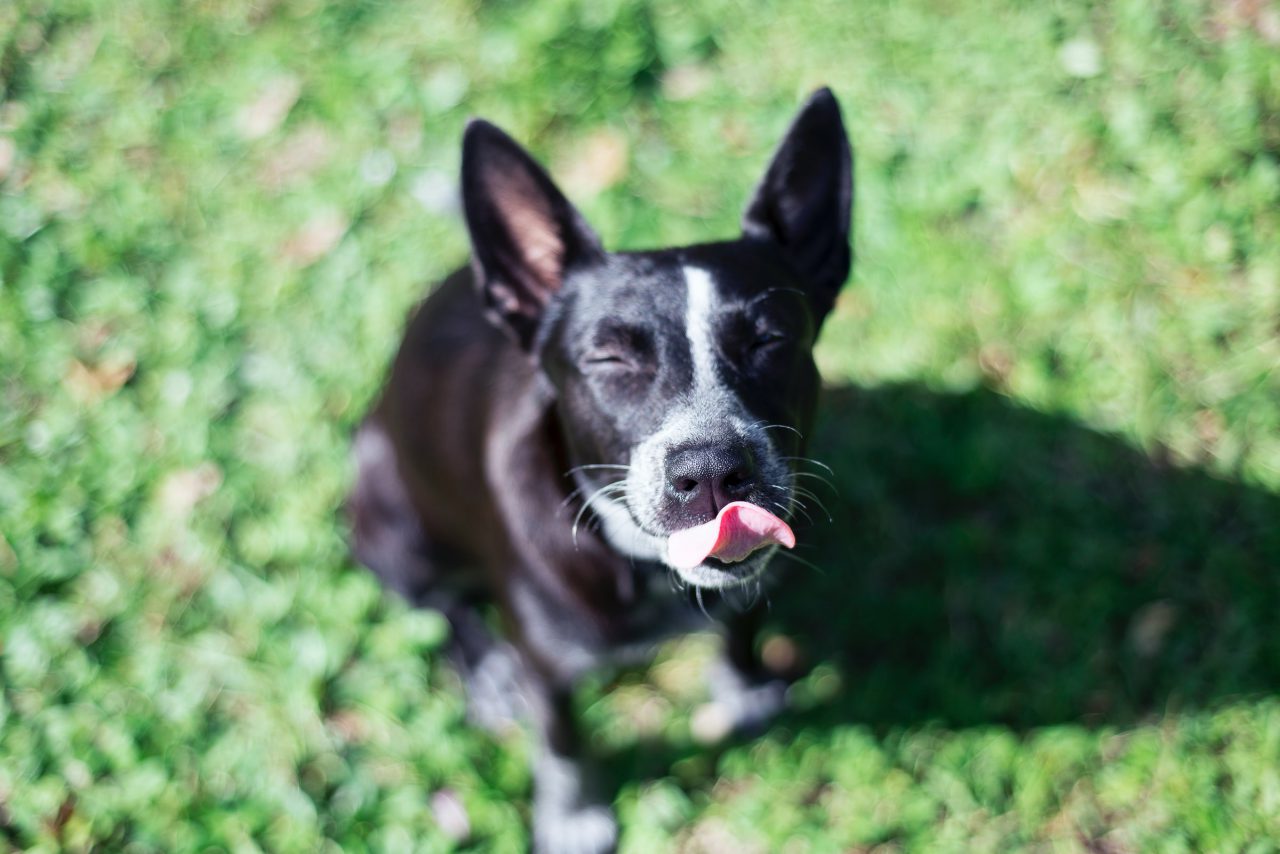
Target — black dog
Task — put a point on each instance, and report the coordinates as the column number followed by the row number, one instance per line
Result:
column 563, row 427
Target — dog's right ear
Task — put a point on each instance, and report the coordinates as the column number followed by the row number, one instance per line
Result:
column 525, row 235
column 805, row 200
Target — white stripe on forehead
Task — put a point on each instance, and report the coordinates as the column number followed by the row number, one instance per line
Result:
column 697, row 324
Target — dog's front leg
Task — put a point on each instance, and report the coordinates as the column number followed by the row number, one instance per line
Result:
column 745, row 696
column 570, row 814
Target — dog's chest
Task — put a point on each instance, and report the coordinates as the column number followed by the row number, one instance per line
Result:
column 626, row 636
column 661, row 609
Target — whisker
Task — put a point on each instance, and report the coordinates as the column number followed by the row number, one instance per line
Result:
column 799, row 505
column 740, row 599
column 677, row 583
column 568, row 498
column 604, row 491
column 591, row 466
column 795, row 491
column 783, row 427
column 810, row 564
column 819, row 478
column 809, row 494
column 697, row 591
column 581, row 489
column 811, row 460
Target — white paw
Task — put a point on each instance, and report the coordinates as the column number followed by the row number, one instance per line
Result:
column 586, row 830
column 736, row 706
column 754, row 707
column 495, row 700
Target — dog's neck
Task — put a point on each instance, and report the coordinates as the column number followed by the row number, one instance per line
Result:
column 529, row 463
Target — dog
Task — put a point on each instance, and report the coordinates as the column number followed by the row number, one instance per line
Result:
column 567, row 431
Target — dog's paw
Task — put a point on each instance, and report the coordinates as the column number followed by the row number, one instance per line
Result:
column 569, row 815
column 752, row 708
column 495, row 700
column 584, row 830
column 737, row 707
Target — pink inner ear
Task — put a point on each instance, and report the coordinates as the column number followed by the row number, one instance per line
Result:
column 532, row 226
column 739, row 530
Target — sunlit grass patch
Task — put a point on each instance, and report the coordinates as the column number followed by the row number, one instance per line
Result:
column 1044, row 613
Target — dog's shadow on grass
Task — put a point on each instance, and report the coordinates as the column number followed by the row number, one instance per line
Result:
column 989, row 564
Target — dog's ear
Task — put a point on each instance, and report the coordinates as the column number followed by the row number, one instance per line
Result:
column 804, row 202
column 525, row 235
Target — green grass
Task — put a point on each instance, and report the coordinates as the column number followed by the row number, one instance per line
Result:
column 1045, row 617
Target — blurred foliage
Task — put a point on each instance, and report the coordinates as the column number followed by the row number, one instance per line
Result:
column 1043, row 616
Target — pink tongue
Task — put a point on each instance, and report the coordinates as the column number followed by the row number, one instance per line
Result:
column 737, row 531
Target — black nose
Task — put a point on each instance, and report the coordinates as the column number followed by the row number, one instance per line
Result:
column 707, row 477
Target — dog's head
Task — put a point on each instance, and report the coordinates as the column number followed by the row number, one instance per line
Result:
column 684, row 378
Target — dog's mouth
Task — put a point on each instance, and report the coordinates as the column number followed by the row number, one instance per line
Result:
column 728, row 551
column 739, row 530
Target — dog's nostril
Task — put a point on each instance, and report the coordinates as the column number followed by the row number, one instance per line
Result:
column 685, row 484
column 704, row 478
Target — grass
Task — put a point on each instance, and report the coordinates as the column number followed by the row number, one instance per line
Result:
column 1045, row 612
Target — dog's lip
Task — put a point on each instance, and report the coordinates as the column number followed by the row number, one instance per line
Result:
column 744, row 568
column 715, row 574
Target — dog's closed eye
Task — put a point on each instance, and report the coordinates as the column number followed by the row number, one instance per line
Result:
column 608, row 357
column 618, row 348
column 759, row 339
column 767, row 339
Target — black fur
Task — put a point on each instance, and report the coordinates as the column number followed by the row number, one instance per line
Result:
column 522, row 379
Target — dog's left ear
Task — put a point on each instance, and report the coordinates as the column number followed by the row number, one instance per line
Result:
column 525, row 236
column 804, row 202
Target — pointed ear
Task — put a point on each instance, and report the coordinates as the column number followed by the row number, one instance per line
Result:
column 525, row 235
column 804, row 202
